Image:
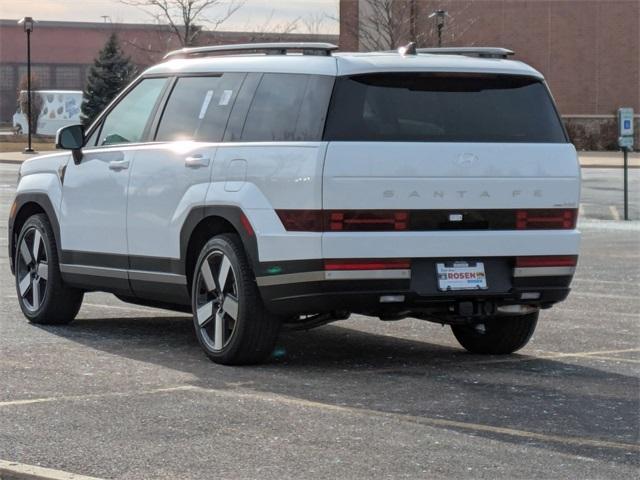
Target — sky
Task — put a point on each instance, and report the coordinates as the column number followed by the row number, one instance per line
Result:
column 253, row 15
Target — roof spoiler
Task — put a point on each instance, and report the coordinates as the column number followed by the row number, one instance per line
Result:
column 276, row 48
column 482, row 52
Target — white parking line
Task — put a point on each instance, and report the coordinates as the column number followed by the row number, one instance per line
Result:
column 21, row 471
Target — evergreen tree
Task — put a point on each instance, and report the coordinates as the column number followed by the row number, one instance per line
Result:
column 110, row 73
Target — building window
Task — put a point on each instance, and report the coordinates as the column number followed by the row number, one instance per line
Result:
column 7, row 77
column 68, row 78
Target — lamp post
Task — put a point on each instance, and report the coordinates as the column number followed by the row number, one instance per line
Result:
column 28, row 23
column 440, row 17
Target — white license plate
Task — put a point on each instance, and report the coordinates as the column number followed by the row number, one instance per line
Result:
column 461, row 276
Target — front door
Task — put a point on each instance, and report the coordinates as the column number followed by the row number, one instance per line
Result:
column 94, row 192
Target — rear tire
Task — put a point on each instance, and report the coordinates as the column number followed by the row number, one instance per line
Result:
column 43, row 298
column 497, row 335
column 230, row 320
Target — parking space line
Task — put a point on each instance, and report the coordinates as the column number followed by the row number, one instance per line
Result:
column 88, row 396
column 17, row 471
column 602, row 295
column 556, row 355
column 426, row 421
column 613, row 359
column 121, row 307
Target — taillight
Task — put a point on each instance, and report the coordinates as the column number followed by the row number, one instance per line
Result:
column 546, row 219
column 547, row 261
column 367, row 264
column 369, row 220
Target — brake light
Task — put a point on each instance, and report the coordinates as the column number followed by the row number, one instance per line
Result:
column 366, row 220
column 367, row 264
column 546, row 219
column 547, row 261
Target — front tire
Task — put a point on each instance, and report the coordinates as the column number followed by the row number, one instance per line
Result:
column 230, row 320
column 497, row 335
column 43, row 298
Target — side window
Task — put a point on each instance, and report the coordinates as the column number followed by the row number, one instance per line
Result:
column 314, row 108
column 233, row 133
column 275, row 108
column 288, row 107
column 126, row 123
column 199, row 107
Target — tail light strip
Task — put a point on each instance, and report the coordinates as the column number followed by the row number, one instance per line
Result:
column 426, row 220
column 545, row 266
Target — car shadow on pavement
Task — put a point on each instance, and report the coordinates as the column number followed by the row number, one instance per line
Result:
column 419, row 380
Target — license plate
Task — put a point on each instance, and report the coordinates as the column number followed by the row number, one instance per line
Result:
column 461, row 276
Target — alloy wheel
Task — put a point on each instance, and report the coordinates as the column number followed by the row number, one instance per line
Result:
column 216, row 300
column 32, row 269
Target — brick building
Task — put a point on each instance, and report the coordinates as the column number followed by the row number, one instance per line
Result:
column 589, row 50
column 62, row 52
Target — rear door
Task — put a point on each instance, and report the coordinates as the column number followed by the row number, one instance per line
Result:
column 172, row 174
column 446, row 152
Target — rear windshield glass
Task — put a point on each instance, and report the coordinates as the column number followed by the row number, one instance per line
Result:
column 442, row 108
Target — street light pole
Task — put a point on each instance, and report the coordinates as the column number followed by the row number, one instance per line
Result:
column 27, row 23
column 440, row 17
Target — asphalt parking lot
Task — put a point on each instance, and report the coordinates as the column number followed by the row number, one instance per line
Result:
column 125, row 392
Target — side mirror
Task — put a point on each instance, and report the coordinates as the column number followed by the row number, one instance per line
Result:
column 71, row 138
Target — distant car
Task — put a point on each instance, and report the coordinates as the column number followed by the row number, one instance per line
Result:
column 60, row 108
column 297, row 188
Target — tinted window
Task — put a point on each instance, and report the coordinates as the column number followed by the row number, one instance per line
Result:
column 233, row 133
column 126, row 123
column 443, row 108
column 288, row 108
column 198, row 108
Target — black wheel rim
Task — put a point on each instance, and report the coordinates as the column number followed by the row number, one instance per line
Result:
column 32, row 269
column 216, row 311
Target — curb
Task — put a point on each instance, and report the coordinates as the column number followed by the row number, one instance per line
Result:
column 21, row 471
column 603, row 165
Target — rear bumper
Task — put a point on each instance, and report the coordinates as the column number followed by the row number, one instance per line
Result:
column 303, row 287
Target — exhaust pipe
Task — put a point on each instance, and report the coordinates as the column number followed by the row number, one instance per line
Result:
column 516, row 309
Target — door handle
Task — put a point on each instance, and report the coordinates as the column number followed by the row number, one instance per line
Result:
column 118, row 165
column 197, row 161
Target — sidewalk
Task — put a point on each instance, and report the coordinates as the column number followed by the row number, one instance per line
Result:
column 587, row 159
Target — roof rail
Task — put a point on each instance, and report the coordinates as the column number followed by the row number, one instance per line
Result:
column 276, row 48
column 483, row 52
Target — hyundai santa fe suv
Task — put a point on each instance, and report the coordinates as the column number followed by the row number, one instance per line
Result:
column 271, row 186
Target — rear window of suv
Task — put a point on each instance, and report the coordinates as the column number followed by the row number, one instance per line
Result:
column 437, row 107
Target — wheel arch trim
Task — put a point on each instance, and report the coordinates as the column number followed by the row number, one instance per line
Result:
column 229, row 213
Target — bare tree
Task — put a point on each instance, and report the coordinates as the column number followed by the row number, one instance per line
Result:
column 186, row 18
column 388, row 24
column 314, row 23
column 272, row 30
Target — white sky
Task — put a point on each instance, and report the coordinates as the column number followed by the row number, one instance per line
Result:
column 253, row 15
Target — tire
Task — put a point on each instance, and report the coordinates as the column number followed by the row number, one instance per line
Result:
column 229, row 318
column 498, row 336
column 43, row 298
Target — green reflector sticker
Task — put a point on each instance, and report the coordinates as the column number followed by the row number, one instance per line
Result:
column 274, row 270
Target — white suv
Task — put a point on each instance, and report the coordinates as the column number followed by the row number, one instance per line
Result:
column 287, row 185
